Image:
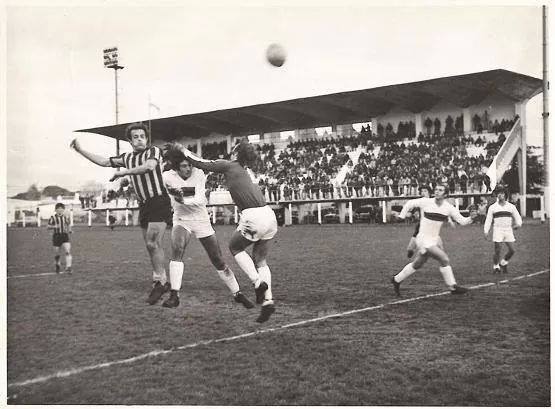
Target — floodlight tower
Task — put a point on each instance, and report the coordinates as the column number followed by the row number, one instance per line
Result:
column 545, row 113
column 111, row 61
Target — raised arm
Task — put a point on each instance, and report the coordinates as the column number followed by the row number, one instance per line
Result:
column 93, row 157
column 219, row 166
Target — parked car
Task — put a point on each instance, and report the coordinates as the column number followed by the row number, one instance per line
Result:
column 330, row 215
column 365, row 214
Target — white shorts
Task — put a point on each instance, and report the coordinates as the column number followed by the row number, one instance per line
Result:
column 424, row 243
column 258, row 223
column 500, row 236
column 200, row 228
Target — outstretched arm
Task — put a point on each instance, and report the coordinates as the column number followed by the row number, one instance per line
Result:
column 93, row 157
column 411, row 204
column 459, row 218
column 149, row 165
column 219, row 166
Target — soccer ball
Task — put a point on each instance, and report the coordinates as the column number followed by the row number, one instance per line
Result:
column 275, row 54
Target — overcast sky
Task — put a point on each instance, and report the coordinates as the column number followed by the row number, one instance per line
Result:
column 195, row 58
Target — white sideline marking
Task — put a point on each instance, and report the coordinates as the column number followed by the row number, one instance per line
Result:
column 76, row 371
column 36, row 275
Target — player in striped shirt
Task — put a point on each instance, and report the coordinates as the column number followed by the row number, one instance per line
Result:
column 505, row 218
column 186, row 186
column 434, row 211
column 61, row 227
column 144, row 166
column 257, row 224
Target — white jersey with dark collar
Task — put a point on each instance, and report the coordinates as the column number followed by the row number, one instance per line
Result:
column 188, row 196
column 433, row 215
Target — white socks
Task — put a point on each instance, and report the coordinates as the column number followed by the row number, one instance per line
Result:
column 503, row 262
column 159, row 277
column 229, row 279
column 448, row 277
column 176, row 274
column 68, row 261
column 247, row 265
column 266, row 276
column 405, row 272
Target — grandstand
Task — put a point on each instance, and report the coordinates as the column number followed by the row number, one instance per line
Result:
column 374, row 147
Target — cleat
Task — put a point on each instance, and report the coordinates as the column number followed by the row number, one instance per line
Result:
column 260, row 292
column 496, row 271
column 504, row 269
column 68, row 270
column 58, row 269
column 241, row 299
column 459, row 290
column 157, row 291
column 265, row 312
column 396, row 287
column 410, row 253
column 172, row 301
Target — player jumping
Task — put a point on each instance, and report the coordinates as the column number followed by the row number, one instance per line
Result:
column 505, row 217
column 434, row 212
column 144, row 167
column 186, row 186
column 257, row 224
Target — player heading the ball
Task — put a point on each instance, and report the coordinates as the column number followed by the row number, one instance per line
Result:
column 257, row 224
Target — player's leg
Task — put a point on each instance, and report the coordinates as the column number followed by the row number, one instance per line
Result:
column 179, row 239
column 408, row 270
column 505, row 261
column 57, row 259
column 214, row 252
column 238, row 245
column 259, row 253
column 496, row 257
column 445, row 269
column 66, row 248
column 153, row 235
column 411, row 248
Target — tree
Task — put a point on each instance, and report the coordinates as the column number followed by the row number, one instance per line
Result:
column 55, row 191
column 32, row 193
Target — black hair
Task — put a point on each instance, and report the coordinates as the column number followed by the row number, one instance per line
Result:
column 173, row 155
column 133, row 126
column 246, row 155
column 59, row 206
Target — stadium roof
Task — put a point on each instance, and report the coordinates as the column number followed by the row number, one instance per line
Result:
column 340, row 108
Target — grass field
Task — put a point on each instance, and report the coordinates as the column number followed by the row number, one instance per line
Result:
column 487, row 348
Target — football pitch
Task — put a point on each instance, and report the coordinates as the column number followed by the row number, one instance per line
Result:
column 339, row 335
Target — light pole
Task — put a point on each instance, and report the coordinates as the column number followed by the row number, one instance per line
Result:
column 111, row 61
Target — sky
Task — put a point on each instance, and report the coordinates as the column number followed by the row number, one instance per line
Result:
column 188, row 57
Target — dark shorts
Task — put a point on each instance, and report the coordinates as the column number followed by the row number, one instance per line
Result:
column 155, row 210
column 60, row 238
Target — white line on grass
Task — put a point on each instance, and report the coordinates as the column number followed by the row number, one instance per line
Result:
column 76, row 371
column 36, row 275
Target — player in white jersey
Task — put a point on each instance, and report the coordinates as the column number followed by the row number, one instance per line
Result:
column 186, row 187
column 505, row 218
column 434, row 211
